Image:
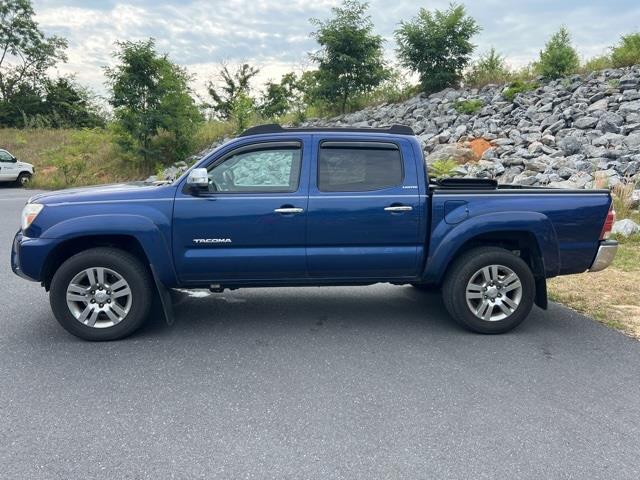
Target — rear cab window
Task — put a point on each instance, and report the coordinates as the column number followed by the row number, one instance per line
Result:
column 345, row 166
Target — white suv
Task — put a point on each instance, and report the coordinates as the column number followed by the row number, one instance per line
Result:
column 13, row 170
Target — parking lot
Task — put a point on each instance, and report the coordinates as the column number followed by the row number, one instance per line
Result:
column 363, row 382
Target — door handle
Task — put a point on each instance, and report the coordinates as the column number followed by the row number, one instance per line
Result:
column 289, row 210
column 398, row 208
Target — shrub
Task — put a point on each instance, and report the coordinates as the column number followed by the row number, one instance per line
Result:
column 242, row 111
column 69, row 169
column 437, row 46
column 526, row 74
column 622, row 194
column 443, row 168
column 393, row 90
column 518, row 87
column 558, row 58
column 627, row 52
column 468, row 107
column 597, row 63
column 490, row 68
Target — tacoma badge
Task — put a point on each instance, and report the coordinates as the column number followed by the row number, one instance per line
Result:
column 211, row 240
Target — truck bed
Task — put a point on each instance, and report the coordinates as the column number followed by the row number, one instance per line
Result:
column 568, row 223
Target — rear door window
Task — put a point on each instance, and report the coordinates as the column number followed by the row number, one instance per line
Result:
column 359, row 166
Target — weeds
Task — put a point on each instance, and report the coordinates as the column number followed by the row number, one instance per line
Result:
column 517, row 87
column 468, row 107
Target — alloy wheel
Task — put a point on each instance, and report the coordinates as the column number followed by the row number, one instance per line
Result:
column 494, row 293
column 99, row 297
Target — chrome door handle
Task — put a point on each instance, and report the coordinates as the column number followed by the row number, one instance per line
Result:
column 399, row 208
column 289, row 210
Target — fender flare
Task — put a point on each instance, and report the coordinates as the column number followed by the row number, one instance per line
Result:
column 447, row 242
column 143, row 229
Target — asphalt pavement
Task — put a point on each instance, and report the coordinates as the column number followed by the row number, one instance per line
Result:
column 311, row 383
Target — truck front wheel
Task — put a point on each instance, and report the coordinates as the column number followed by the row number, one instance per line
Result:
column 489, row 290
column 101, row 294
column 23, row 179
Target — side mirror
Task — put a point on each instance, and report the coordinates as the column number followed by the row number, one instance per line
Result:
column 198, row 179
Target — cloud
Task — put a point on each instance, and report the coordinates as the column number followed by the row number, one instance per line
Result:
column 274, row 34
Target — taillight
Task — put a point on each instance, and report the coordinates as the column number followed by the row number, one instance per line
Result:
column 608, row 223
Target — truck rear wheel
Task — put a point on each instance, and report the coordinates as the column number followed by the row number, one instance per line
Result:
column 101, row 294
column 489, row 290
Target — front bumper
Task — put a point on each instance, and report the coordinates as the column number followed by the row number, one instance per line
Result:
column 15, row 256
column 606, row 253
column 28, row 255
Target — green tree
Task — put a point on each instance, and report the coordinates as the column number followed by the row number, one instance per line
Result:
column 627, row 52
column 242, row 110
column 232, row 85
column 558, row 58
column 350, row 59
column 23, row 107
column 283, row 97
column 489, row 68
column 70, row 105
column 274, row 101
column 437, row 46
column 152, row 102
column 25, row 52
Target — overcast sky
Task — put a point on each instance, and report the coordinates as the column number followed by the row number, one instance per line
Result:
column 274, row 35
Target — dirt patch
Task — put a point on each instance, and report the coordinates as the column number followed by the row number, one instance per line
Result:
column 479, row 146
column 610, row 296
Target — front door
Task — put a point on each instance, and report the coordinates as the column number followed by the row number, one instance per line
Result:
column 250, row 224
column 364, row 211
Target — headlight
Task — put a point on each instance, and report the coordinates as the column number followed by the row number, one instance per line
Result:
column 29, row 214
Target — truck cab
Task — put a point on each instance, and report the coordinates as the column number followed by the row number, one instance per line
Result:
column 13, row 170
column 293, row 207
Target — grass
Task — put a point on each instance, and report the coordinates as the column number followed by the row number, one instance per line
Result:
column 517, row 87
column 610, row 296
column 468, row 107
column 65, row 157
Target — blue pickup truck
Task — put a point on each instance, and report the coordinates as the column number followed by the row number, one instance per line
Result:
column 296, row 207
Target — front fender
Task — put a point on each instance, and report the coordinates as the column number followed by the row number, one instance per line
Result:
column 151, row 239
column 447, row 240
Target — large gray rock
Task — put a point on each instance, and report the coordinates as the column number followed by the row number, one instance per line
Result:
column 610, row 122
column 628, row 82
column 600, row 105
column 630, row 107
column 584, row 123
column 570, row 145
column 626, row 227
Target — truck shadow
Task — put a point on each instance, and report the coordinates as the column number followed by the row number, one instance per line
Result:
column 310, row 309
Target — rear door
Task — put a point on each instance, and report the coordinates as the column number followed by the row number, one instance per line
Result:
column 250, row 225
column 364, row 210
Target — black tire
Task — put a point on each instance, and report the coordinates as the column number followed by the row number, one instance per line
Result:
column 128, row 267
column 465, row 268
column 23, row 179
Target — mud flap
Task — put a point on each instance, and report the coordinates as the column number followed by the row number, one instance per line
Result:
column 165, row 298
column 541, row 293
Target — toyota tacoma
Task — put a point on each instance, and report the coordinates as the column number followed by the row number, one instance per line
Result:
column 297, row 207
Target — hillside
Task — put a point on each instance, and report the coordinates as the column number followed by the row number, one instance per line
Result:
column 566, row 133
column 577, row 132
